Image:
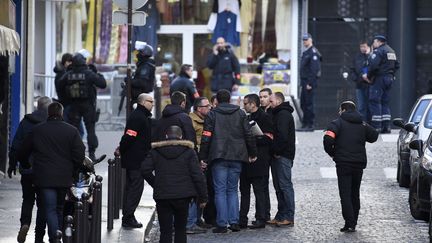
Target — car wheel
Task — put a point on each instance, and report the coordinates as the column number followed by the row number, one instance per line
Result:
column 414, row 204
column 404, row 180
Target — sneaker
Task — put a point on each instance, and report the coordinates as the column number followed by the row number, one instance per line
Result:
column 195, row 230
column 285, row 223
column 273, row 221
column 348, row 229
column 235, row 227
column 22, row 233
column 220, row 230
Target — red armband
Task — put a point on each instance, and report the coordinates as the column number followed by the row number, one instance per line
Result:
column 330, row 134
column 270, row 135
column 131, row 133
column 207, row 133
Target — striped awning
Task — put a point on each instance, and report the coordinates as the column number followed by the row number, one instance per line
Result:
column 9, row 41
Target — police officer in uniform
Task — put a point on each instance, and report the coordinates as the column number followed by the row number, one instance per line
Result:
column 186, row 85
column 225, row 66
column 143, row 80
column 80, row 85
column 381, row 70
column 310, row 71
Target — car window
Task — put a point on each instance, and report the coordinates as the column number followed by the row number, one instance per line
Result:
column 419, row 111
column 428, row 119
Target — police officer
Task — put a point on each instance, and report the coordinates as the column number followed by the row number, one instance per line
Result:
column 184, row 84
column 381, row 70
column 225, row 66
column 310, row 71
column 143, row 80
column 80, row 85
column 358, row 68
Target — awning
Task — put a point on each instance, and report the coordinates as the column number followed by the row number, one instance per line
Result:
column 9, row 41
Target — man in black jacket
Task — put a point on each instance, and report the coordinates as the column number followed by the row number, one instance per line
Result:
column 60, row 69
column 134, row 146
column 57, row 153
column 257, row 173
column 177, row 179
column 226, row 142
column 27, row 182
column 143, row 80
column 344, row 141
column 283, row 159
column 80, row 85
column 359, row 67
column 186, row 85
column 174, row 114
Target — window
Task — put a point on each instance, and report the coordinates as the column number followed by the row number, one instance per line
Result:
column 419, row 112
column 428, row 119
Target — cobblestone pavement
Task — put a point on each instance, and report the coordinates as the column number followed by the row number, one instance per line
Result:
column 384, row 214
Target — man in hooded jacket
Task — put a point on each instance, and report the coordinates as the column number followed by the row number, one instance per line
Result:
column 344, row 141
column 186, row 85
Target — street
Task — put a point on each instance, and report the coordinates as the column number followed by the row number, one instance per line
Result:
column 384, row 214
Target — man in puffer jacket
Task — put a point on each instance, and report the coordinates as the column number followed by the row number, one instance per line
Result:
column 344, row 141
column 177, row 180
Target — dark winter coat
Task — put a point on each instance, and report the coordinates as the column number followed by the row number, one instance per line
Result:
column 261, row 166
column 57, row 153
column 310, row 67
column 185, row 85
column 174, row 115
column 177, row 173
column 59, row 71
column 359, row 67
column 284, row 131
column 345, row 139
column 227, row 135
column 226, row 70
column 25, row 127
column 136, row 141
column 143, row 80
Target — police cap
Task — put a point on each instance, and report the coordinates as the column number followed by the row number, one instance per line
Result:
column 381, row 38
column 306, row 36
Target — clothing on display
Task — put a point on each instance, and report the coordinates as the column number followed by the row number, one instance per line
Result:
column 105, row 34
column 283, row 24
column 123, row 44
column 223, row 6
column 91, row 31
column 264, row 36
column 147, row 33
column 225, row 27
column 73, row 16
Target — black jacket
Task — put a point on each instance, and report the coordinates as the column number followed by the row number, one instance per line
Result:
column 174, row 115
column 310, row 67
column 227, row 135
column 382, row 61
column 226, row 70
column 177, row 173
column 358, row 68
column 261, row 166
column 345, row 140
column 60, row 70
column 185, row 85
column 143, row 80
column 25, row 127
column 78, row 70
column 57, row 152
column 284, row 131
column 136, row 141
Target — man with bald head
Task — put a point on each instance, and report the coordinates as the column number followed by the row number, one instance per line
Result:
column 225, row 66
column 134, row 146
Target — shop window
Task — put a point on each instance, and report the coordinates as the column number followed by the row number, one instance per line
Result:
column 188, row 12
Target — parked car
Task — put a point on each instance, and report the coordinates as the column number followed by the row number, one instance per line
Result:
column 412, row 129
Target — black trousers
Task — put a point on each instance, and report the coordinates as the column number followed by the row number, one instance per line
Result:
column 169, row 210
column 349, row 180
column 133, row 190
column 30, row 195
column 87, row 111
column 267, row 199
column 209, row 212
column 259, row 184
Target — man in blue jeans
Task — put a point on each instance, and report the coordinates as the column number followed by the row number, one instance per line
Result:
column 283, row 159
column 57, row 152
column 227, row 142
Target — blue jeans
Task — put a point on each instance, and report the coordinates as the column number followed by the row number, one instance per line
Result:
column 192, row 215
column 281, row 172
column 226, row 175
column 54, row 199
column 362, row 102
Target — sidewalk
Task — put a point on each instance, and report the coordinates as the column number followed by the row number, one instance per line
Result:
column 10, row 202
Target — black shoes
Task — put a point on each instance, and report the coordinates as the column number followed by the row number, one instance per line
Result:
column 22, row 234
column 257, row 225
column 234, row 228
column 196, row 230
column 220, row 230
column 348, row 229
column 131, row 223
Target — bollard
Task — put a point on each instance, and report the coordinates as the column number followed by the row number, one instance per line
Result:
column 118, row 179
column 95, row 236
column 78, row 219
column 111, row 188
column 85, row 217
column 68, row 230
column 58, row 236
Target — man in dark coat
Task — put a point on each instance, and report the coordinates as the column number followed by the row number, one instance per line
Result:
column 344, row 141
column 28, row 189
column 143, row 80
column 283, row 159
column 227, row 141
column 57, row 153
column 178, row 179
column 257, row 173
column 174, row 114
column 80, row 85
column 186, row 85
column 134, row 146
column 60, row 69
